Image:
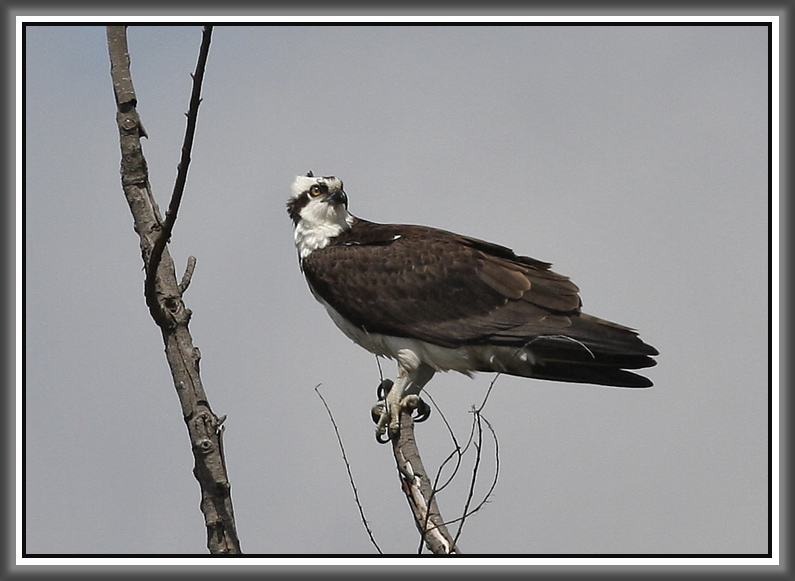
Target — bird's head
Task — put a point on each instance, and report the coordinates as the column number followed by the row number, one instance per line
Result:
column 318, row 207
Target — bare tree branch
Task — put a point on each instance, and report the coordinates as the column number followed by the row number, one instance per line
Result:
column 419, row 492
column 164, row 294
column 475, row 440
column 478, row 443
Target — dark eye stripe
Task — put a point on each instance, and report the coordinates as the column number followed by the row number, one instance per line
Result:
column 295, row 205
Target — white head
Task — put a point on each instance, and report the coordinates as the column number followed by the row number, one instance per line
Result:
column 318, row 207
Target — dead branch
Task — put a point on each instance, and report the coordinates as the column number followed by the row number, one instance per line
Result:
column 420, row 494
column 477, row 421
column 475, row 440
column 164, row 294
column 179, row 184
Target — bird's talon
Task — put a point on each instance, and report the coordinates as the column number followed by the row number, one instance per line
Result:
column 378, row 411
column 423, row 411
column 380, row 414
column 382, row 435
column 384, row 388
column 415, row 402
column 410, row 402
column 386, row 412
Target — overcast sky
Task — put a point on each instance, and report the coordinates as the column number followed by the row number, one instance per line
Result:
column 634, row 158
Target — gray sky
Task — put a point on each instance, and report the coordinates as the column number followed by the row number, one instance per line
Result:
column 633, row 158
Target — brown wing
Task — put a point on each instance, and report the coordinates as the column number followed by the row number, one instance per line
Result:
column 412, row 281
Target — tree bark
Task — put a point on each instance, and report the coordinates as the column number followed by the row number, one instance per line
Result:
column 164, row 294
column 417, row 487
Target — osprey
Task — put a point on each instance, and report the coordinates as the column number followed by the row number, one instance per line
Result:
column 437, row 301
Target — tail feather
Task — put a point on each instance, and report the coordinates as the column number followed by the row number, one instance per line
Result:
column 595, row 374
column 591, row 350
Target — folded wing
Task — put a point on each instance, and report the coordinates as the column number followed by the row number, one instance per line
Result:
column 451, row 290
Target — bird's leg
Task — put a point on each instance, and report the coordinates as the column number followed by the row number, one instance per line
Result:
column 386, row 412
column 399, row 396
column 394, row 406
column 379, row 411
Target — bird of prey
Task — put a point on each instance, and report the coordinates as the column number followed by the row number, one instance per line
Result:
column 437, row 301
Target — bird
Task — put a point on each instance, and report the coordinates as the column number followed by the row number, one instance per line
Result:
column 433, row 301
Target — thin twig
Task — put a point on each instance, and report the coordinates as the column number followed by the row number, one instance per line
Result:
column 493, row 485
column 488, row 391
column 348, row 468
column 456, row 453
column 182, row 176
column 478, row 416
column 186, row 278
column 459, row 452
column 496, row 465
column 473, row 480
column 380, row 371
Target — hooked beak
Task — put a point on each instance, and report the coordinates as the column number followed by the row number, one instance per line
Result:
column 337, row 197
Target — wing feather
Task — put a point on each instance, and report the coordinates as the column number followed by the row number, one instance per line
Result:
column 508, row 282
column 451, row 290
column 413, row 281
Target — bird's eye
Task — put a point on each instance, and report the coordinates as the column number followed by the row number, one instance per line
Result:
column 314, row 191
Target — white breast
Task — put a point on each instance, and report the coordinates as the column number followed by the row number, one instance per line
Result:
column 319, row 223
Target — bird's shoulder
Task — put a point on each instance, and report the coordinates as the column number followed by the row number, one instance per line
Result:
column 401, row 256
column 419, row 239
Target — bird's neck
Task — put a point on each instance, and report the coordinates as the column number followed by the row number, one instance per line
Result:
column 311, row 235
